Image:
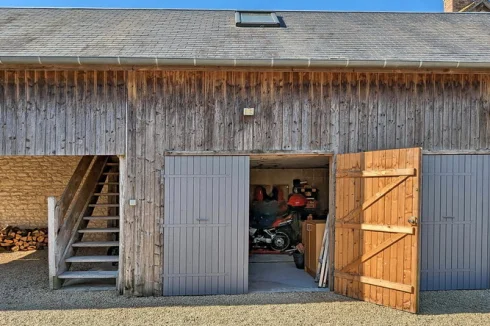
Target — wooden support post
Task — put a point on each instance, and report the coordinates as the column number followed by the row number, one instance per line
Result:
column 53, row 226
column 331, row 222
column 122, row 239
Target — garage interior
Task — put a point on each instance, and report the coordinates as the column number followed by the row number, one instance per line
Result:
column 289, row 202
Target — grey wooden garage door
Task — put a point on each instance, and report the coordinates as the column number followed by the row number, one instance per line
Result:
column 206, row 225
column 455, row 222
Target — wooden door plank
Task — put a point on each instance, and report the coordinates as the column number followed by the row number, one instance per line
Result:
column 368, row 255
column 386, row 189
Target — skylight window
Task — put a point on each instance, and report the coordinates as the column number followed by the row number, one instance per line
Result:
column 256, row 19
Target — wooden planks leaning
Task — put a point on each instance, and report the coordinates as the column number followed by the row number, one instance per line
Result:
column 377, row 235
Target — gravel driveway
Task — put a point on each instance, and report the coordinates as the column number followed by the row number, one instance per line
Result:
column 26, row 300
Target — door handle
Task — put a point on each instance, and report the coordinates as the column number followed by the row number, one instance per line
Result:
column 413, row 220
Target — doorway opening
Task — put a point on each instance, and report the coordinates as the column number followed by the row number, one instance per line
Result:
column 289, row 205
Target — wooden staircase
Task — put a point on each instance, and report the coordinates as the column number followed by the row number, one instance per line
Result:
column 98, row 193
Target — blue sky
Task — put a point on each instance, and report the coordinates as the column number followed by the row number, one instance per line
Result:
column 343, row 5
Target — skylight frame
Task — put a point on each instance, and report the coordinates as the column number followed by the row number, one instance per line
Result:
column 240, row 23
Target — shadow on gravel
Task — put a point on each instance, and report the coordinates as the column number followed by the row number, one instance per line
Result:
column 24, row 286
column 455, row 302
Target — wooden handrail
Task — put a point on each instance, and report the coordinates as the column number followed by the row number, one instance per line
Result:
column 72, row 187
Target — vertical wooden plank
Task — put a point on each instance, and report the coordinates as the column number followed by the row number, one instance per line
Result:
column 353, row 111
column 447, row 111
column 79, row 108
column 363, row 112
column 60, row 104
column 158, row 195
column 247, row 80
column 20, row 104
column 39, row 99
column 70, row 112
column 306, row 123
column 380, row 163
column 438, row 111
column 230, row 111
column 389, row 216
column 429, row 110
column 367, row 218
column 393, row 89
column 483, row 110
column 411, row 101
column 130, row 216
column 317, row 114
column 236, row 99
column 277, row 104
column 419, row 110
column 120, row 106
column 11, row 116
column 373, row 100
column 400, row 216
column 110, row 108
column 287, row 112
column 31, row 112
column 325, row 107
column 296, row 111
column 382, row 109
column 344, row 105
column 91, row 109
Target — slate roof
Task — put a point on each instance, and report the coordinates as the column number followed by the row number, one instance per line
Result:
column 212, row 34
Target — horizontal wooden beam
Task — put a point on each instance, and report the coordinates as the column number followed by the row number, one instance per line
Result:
column 250, row 153
column 375, row 281
column 375, row 173
column 226, row 68
column 377, row 228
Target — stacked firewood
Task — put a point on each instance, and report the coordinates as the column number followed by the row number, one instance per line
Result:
column 15, row 239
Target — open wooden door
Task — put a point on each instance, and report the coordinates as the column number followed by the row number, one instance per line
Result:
column 376, row 227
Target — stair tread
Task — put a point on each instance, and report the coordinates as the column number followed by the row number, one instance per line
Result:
column 93, row 259
column 88, row 274
column 103, row 205
column 108, row 183
column 88, row 288
column 86, row 218
column 96, row 244
column 97, row 230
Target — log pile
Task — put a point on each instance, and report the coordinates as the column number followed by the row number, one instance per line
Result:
column 15, row 239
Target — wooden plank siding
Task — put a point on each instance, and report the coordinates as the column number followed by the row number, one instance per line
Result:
column 62, row 112
column 142, row 114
